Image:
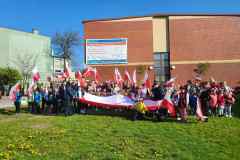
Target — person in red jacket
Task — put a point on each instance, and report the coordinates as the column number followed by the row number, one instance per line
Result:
column 221, row 103
column 213, row 101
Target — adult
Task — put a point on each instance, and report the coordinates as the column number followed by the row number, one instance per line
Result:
column 17, row 102
column 68, row 97
column 37, row 101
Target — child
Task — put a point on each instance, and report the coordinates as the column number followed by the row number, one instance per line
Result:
column 213, row 101
column 229, row 102
column 221, row 103
column 37, row 101
column 182, row 104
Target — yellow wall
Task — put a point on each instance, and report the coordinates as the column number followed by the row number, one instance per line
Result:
column 160, row 34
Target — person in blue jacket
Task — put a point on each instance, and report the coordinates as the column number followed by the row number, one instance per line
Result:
column 37, row 100
column 17, row 101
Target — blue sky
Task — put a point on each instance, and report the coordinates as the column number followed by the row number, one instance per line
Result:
column 50, row 16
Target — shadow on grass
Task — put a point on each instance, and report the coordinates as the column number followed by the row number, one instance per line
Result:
column 123, row 114
column 12, row 111
column 236, row 107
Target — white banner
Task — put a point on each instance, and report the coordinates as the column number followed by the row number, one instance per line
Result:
column 106, row 51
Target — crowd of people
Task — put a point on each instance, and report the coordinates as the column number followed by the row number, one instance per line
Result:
column 216, row 98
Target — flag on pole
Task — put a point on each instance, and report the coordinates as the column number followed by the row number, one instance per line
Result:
column 92, row 72
column 127, row 76
column 134, row 79
column 167, row 103
column 96, row 75
column 199, row 113
column 67, row 70
column 146, row 80
column 89, row 72
column 78, row 75
column 36, row 75
column 117, row 76
column 170, row 82
column 30, row 89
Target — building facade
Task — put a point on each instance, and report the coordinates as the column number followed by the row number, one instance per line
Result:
column 174, row 41
column 17, row 45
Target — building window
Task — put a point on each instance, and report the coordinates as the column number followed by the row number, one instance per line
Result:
column 161, row 66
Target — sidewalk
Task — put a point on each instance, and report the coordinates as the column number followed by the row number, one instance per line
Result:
column 6, row 102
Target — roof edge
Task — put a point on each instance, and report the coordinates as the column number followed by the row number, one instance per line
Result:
column 164, row 14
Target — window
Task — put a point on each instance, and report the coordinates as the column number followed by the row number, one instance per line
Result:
column 161, row 66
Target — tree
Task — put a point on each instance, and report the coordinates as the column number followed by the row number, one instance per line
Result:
column 64, row 43
column 9, row 76
column 25, row 64
column 202, row 68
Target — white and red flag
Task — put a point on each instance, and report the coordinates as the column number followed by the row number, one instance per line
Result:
column 96, row 75
column 168, row 104
column 89, row 72
column 13, row 90
column 67, row 70
column 134, row 78
column 199, row 113
column 146, row 80
column 117, row 76
column 78, row 75
column 170, row 83
column 30, row 89
column 92, row 72
column 36, row 75
column 127, row 76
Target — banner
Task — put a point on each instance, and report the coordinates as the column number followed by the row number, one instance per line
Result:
column 106, row 51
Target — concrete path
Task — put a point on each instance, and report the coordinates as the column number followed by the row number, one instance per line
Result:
column 5, row 102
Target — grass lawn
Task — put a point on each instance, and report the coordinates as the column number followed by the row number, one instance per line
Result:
column 28, row 137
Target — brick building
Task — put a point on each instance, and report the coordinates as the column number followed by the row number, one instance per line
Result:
column 165, row 40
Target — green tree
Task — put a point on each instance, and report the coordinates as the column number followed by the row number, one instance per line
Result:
column 202, row 68
column 9, row 76
column 64, row 43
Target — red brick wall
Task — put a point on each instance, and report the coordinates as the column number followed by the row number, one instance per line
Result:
column 139, row 34
column 229, row 72
column 214, row 38
column 140, row 42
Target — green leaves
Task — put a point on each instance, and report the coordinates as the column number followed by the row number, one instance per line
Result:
column 9, row 76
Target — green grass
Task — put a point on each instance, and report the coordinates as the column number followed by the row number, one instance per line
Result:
column 30, row 137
